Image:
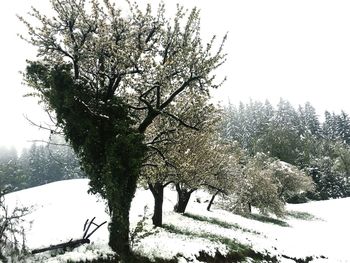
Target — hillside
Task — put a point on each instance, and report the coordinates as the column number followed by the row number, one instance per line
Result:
column 59, row 210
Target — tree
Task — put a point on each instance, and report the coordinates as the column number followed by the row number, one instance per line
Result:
column 282, row 140
column 42, row 164
column 197, row 157
column 107, row 77
column 343, row 127
column 12, row 176
column 35, row 163
column 255, row 186
column 329, row 169
column 329, row 130
column 290, row 180
column 247, row 123
column 224, row 180
column 267, row 184
column 10, row 230
column 337, row 127
column 158, row 171
column 297, row 138
column 308, row 120
column 62, row 159
column 188, row 157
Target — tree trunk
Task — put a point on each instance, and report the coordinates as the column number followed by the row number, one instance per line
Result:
column 122, row 194
column 157, row 190
column 212, row 200
column 119, row 226
column 119, row 234
column 183, row 196
column 249, row 207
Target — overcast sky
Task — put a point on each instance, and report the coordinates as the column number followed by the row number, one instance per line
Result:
column 298, row 50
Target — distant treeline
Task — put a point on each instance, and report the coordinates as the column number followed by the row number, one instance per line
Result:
column 40, row 164
column 296, row 136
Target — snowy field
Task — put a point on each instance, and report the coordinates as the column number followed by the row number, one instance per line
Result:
column 317, row 229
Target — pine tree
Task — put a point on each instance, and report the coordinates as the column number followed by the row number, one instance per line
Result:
column 281, row 139
column 343, row 127
column 247, row 123
column 329, row 129
column 309, row 123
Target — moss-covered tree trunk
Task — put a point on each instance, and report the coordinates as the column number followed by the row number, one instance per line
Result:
column 119, row 226
column 183, row 196
column 123, row 164
column 120, row 182
column 157, row 190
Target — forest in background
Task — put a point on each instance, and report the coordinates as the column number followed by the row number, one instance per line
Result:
column 319, row 147
column 38, row 165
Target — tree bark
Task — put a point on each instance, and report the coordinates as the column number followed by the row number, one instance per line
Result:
column 212, row 200
column 183, row 196
column 157, row 190
column 119, row 234
column 119, row 227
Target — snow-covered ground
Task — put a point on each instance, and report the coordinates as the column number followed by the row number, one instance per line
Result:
column 59, row 211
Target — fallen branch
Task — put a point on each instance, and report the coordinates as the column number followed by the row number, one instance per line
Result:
column 64, row 246
column 74, row 243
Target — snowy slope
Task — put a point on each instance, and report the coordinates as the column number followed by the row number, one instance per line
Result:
column 60, row 210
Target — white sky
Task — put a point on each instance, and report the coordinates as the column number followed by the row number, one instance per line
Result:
column 298, row 50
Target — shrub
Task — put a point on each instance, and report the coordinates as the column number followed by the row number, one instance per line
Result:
column 12, row 237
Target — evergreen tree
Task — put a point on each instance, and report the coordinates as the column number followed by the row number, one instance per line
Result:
column 330, row 170
column 309, row 132
column 309, row 123
column 336, row 127
column 282, row 140
column 343, row 127
column 12, row 176
column 247, row 123
column 35, row 163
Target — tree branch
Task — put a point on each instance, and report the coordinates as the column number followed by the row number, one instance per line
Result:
column 178, row 91
column 181, row 121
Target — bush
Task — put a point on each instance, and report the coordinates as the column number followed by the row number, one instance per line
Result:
column 12, row 237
